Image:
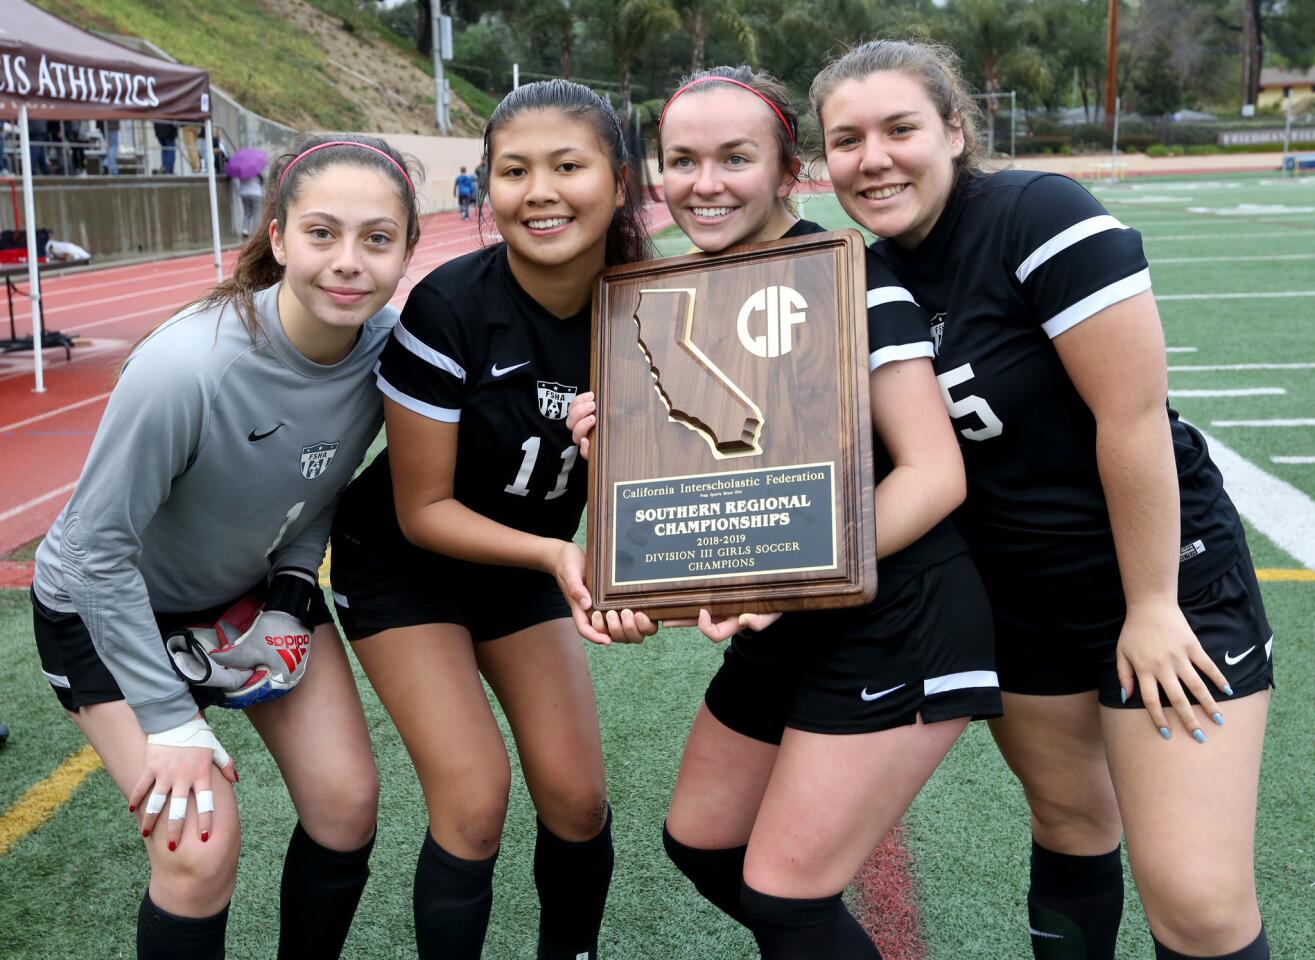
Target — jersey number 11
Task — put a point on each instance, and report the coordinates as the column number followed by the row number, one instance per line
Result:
column 521, row 485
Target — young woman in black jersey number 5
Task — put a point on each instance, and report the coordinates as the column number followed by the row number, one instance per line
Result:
column 475, row 572
column 1116, row 565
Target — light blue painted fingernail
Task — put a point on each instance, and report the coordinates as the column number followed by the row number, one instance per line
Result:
column 1123, row 695
column 1198, row 735
column 1217, row 717
column 1164, row 732
column 1228, row 691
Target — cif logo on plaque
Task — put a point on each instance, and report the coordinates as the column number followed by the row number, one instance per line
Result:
column 784, row 307
column 695, row 390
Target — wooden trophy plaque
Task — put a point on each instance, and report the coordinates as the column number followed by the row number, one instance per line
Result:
column 731, row 465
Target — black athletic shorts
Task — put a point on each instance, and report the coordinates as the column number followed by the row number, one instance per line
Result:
column 1051, row 641
column 926, row 650
column 377, row 588
column 80, row 678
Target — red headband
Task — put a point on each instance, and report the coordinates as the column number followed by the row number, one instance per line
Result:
column 701, row 80
column 346, row 143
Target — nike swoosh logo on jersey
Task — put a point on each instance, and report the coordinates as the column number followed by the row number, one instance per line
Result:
column 503, row 371
column 253, row 436
column 880, row 693
column 1231, row 660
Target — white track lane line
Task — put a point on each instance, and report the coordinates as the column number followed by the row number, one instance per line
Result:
column 1207, row 367
column 1180, row 349
column 1277, row 509
column 1240, row 392
column 1292, row 459
column 1161, row 261
column 36, row 501
column 53, row 413
column 1265, row 295
column 1294, row 422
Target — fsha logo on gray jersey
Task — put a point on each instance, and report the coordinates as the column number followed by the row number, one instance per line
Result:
column 937, row 332
column 316, row 458
column 554, row 398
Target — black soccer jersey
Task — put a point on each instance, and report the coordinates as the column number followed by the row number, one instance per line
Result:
column 473, row 348
column 897, row 330
column 1016, row 259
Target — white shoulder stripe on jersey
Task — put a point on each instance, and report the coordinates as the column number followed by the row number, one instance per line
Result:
column 427, row 353
column 442, row 414
column 1098, row 301
column 879, row 295
column 1065, row 239
column 900, row 351
column 960, row 681
column 59, row 681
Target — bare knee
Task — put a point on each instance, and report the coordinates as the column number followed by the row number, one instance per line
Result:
column 1071, row 823
column 574, row 812
column 196, row 880
column 467, row 820
column 342, row 815
column 1202, row 922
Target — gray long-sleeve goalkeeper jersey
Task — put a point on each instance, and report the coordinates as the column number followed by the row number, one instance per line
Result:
column 217, row 461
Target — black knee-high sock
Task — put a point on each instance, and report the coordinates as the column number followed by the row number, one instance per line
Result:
column 1257, row 949
column 1074, row 905
column 572, row 880
column 319, row 894
column 716, row 874
column 163, row 936
column 818, row 929
column 452, row 902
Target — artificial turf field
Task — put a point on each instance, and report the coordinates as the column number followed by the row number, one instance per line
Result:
column 1227, row 246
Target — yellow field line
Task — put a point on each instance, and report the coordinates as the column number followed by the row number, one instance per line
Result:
column 42, row 799
column 1273, row 574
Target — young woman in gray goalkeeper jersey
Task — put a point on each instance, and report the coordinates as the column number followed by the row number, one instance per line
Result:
column 213, row 477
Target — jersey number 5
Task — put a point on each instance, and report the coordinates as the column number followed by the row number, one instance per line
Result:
column 521, row 485
column 991, row 425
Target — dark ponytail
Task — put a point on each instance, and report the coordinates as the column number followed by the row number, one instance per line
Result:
column 627, row 237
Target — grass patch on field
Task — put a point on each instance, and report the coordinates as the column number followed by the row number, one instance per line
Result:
column 968, row 831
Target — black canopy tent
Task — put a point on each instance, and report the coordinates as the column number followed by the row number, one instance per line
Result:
column 52, row 70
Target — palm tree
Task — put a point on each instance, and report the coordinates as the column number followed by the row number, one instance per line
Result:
column 697, row 14
column 630, row 26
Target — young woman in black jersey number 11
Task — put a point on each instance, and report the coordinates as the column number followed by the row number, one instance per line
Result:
column 209, row 491
column 820, row 727
column 474, row 571
column 1117, row 567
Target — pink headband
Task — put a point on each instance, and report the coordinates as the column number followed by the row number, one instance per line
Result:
column 345, row 143
column 701, row 80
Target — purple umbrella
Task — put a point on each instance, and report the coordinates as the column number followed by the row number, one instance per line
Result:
column 247, row 163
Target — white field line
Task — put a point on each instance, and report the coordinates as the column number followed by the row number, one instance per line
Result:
column 1294, row 422
column 1277, row 509
column 1292, row 459
column 1241, row 392
column 1260, row 295
column 1162, row 261
column 36, row 501
column 1180, row 349
column 1267, row 235
column 53, row 413
column 1211, row 367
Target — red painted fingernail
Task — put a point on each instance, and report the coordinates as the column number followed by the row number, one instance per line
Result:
column 205, row 837
column 172, row 845
column 132, row 808
column 236, row 778
column 146, row 832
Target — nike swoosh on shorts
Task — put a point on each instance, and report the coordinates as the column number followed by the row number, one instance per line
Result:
column 880, row 693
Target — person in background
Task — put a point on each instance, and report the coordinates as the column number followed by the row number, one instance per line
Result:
column 250, row 191
column 189, row 147
column 464, row 189
column 37, row 132
column 110, row 128
column 167, row 134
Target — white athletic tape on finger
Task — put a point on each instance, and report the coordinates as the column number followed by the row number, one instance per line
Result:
column 205, row 801
column 193, row 733
column 154, row 804
column 177, row 808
